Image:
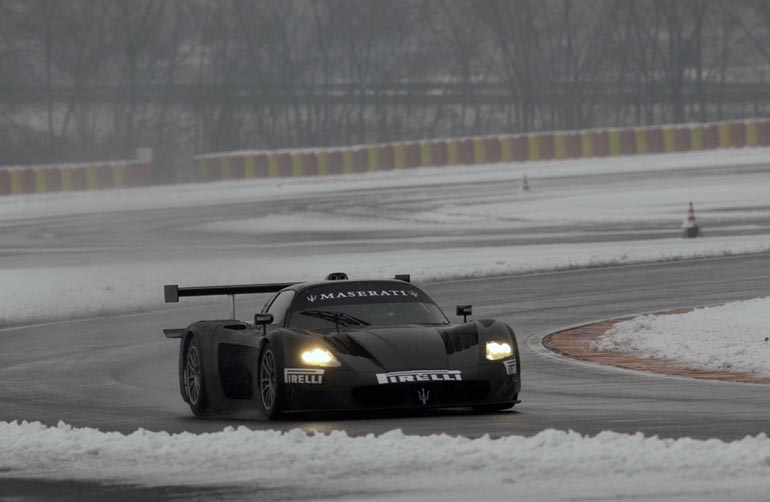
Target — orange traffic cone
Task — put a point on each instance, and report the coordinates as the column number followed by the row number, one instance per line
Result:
column 690, row 227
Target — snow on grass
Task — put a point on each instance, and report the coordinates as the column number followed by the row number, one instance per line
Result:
column 44, row 294
column 731, row 337
column 304, row 222
column 551, row 465
column 719, row 200
column 192, row 195
column 650, row 200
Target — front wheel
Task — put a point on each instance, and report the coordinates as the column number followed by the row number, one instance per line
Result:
column 269, row 390
column 192, row 379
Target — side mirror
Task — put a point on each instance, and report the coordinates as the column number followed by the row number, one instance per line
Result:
column 465, row 311
column 263, row 319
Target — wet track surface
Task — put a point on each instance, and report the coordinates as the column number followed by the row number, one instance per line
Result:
column 120, row 373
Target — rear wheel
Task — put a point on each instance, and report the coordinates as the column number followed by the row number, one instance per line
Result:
column 269, row 390
column 192, row 379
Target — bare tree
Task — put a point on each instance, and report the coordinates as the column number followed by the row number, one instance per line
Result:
column 84, row 79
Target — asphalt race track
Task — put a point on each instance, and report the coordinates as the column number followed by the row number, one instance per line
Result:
column 119, row 373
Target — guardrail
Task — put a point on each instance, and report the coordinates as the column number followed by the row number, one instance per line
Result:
column 72, row 177
column 483, row 150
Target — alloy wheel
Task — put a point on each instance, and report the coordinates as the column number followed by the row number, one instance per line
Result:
column 268, row 382
column 192, row 375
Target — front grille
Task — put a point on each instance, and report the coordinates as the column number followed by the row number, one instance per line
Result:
column 408, row 394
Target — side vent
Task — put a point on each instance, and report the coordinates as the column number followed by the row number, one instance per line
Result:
column 459, row 338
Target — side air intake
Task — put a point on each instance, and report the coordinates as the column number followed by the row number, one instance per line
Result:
column 459, row 338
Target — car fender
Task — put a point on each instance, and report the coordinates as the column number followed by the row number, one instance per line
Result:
column 285, row 344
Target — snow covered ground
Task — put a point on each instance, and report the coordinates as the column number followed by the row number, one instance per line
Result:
column 552, row 465
column 71, row 292
column 731, row 337
column 435, row 223
column 23, row 207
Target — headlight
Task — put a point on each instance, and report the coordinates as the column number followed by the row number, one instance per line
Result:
column 319, row 357
column 497, row 350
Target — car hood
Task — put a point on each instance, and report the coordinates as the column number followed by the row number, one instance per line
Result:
column 402, row 348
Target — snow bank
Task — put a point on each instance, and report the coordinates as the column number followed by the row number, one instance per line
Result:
column 731, row 337
column 551, row 465
column 54, row 293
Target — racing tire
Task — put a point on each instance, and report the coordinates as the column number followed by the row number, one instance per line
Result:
column 192, row 379
column 270, row 396
column 492, row 408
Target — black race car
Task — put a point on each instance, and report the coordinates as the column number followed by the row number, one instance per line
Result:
column 342, row 344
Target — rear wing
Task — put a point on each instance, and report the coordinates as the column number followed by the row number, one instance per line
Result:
column 172, row 293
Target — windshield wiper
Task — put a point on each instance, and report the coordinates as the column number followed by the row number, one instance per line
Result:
column 338, row 318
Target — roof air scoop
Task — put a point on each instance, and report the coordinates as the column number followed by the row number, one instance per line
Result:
column 337, row 276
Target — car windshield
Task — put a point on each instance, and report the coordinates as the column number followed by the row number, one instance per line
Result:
column 362, row 303
column 361, row 315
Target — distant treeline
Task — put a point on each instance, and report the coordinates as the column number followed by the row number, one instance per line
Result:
column 83, row 80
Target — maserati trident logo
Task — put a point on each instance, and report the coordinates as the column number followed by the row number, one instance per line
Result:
column 423, row 395
column 312, row 298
